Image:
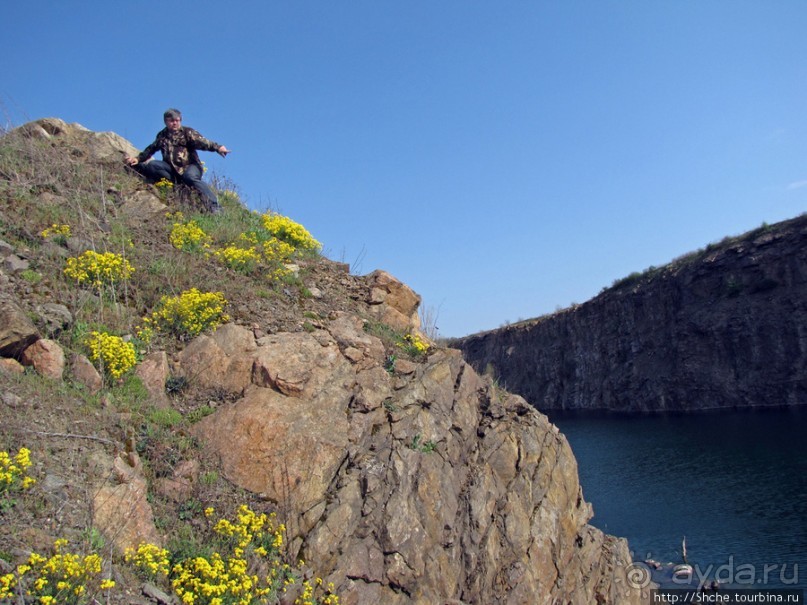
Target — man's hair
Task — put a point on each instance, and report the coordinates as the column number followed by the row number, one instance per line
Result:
column 172, row 113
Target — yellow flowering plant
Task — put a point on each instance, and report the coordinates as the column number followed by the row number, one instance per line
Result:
column 14, row 475
column 229, row 575
column 294, row 234
column 115, row 355
column 268, row 243
column 242, row 260
column 278, row 251
column 151, row 560
column 64, row 578
column 98, row 269
column 8, row 584
column 164, row 187
column 188, row 236
column 187, row 315
column 60, row 233
column 414, row 344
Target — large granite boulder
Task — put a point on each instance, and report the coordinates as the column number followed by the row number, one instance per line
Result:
column 101, row 146
column 393, row 302
column 17, row 331
column 47, row 358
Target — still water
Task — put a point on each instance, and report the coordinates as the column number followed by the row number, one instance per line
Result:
column 733, row 483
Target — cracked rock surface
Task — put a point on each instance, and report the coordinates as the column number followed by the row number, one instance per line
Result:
column 411, row 487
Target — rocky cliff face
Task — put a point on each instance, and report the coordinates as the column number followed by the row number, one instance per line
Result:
column 402, row 480
column 422, row 484
column 720, row 328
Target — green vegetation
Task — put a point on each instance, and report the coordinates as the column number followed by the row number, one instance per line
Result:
column 732, row 287
column 186, row 315
column 411, row 344
column 130, row 284
column 14, row 476
column 242, row 562
column 424, row 447
column 224, row 573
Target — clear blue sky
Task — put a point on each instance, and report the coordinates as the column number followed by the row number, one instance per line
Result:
column 504, row 159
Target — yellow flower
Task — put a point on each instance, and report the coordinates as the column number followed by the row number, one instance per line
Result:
column 13, row 476
column 188, row 236
column 164, row 187
column 244, row 260
column 285, row 229
column 415, row 344
column 7, row 584
column 223, row 577
column 149, row 558
column 59, row 544
column 189, row 314
column 98, row 269
column 116, row 355
column 59, row 231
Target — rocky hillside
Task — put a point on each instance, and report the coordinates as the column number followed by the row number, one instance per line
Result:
column 294, row 390
column 720, row 328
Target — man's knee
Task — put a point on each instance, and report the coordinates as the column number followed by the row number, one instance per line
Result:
column 192, row 175
column 154, row 170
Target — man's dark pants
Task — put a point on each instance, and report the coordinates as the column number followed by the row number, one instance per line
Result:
column 156, row 170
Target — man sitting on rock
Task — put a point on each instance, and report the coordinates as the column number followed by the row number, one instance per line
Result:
column 180, row 163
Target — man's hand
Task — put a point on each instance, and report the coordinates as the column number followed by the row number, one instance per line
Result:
column 223, row 151
column 130, row 161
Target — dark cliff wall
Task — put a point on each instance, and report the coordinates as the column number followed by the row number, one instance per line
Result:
column 723, row 327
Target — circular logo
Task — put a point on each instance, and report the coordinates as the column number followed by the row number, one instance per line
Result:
column 638, row 575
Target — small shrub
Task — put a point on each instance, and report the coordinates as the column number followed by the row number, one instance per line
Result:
column 188, row 314
column 150, row 560
column 95, row 538
column 129, row 394
column 294, row 234
column 276, row 250
column 414, row 344
column 164, row 187
column 209, row 478
column 31, row 276
column 229, row 199
column 227, row 574
column 188, row 236
column 189, row 509
column 62, row 579
column 98, row 269
column 14, row 476
column 165, row 417
column 175, row 385
column 242, row 260
column 59, row 233
column 115, row 355
column 733, row 287
column 424, row 447
column 627, row 281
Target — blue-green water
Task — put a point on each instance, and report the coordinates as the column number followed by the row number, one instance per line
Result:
column 733, row 483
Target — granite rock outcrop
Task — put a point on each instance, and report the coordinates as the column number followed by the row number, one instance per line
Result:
column 416, row 487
